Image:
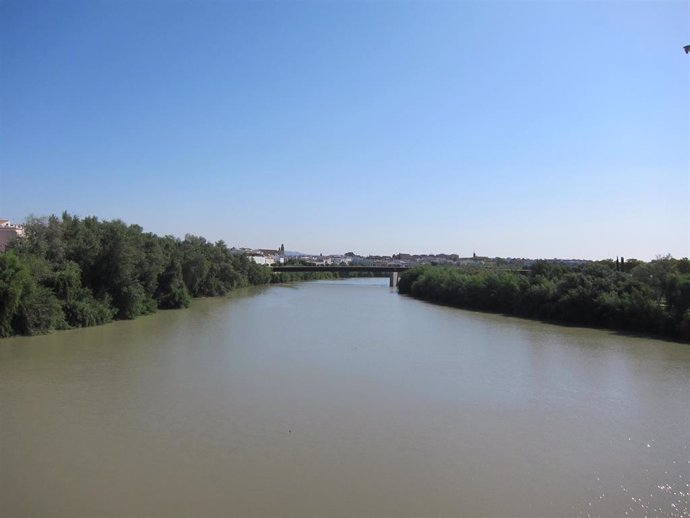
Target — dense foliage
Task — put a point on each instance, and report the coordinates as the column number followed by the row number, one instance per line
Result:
column 287, row 277
column 651, row 297
column 71, row 272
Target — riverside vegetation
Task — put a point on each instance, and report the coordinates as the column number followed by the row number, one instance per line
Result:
column 648, row 297
column 70, row 272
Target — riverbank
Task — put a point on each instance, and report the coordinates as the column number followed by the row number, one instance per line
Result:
column 652, row 299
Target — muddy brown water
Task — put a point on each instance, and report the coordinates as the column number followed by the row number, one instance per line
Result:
column 342, row 398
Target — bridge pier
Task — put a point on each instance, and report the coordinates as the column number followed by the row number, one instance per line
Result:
column 394, row 280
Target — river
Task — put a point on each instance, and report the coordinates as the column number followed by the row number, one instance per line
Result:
column 342, row 398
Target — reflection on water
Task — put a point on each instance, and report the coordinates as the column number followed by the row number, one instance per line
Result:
column 341, row 398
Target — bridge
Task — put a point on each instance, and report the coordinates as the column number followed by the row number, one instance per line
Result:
column 392, row 270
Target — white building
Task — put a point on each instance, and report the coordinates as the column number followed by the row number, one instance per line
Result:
column 341, row 259
column 8, row 232
column 262, row 259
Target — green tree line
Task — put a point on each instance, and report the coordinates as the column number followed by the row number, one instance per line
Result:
column 287, row 277
column 69, row 272
column 650, row 297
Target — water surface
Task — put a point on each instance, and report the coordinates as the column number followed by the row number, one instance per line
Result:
column 342, row 398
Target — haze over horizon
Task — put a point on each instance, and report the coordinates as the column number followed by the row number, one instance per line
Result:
column 521, row 129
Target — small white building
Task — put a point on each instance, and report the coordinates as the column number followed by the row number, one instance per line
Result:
column 8, row 232
column 341, row 259
column 262, row 259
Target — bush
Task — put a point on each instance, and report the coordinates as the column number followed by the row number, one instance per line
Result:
column 654, row 298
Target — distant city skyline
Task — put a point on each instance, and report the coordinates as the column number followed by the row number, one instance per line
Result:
column 521, row 129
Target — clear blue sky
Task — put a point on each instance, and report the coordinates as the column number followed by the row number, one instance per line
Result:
column 519, row 129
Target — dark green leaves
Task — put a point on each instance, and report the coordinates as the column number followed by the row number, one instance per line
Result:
column 71, row 272
column 653, row 298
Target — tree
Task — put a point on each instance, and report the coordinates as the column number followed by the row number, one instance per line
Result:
column 115, row 271
column 79, row 306
column 15, row 281
column 39, row 312
column 677, row 294
column 171, row 292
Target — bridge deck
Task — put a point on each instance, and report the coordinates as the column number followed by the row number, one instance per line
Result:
column 334, row 268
